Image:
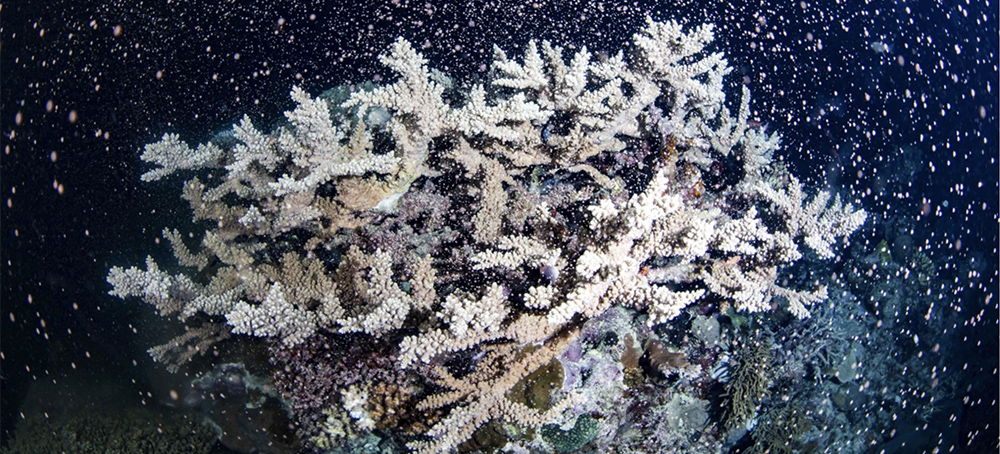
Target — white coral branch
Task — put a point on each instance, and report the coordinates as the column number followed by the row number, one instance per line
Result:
column 172, row 154
column 274, row 317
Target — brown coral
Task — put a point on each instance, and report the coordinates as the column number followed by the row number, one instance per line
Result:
column 662, row 364
column 391, row 406
column 663, row 359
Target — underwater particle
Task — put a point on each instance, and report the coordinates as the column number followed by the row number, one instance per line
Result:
column 583, row 432
column 880, row 47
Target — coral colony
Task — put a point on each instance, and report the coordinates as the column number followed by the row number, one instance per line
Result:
column 477, row 240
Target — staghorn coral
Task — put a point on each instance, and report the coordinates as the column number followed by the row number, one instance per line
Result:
column 539, row 239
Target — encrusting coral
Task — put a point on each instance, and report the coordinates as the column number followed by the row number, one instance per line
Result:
column 575, row 187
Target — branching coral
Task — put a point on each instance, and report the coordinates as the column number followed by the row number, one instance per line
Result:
column 538, row 239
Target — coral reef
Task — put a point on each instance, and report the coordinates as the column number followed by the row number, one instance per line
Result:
column 444, row 251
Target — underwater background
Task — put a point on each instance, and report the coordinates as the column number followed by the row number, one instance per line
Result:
column 892, row 105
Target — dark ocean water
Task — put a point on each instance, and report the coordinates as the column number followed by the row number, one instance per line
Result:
column 892, row 103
